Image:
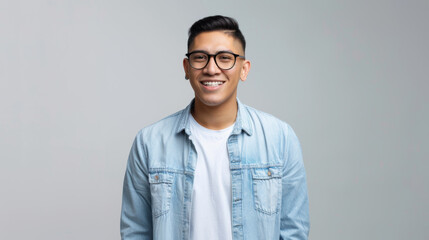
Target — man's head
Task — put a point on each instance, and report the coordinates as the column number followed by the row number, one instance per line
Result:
column 215, row 60
column 213, row 23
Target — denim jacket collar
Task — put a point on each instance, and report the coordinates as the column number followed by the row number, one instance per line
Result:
column 241, row 122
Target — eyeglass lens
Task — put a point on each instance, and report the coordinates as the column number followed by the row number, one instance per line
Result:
column 223, row 60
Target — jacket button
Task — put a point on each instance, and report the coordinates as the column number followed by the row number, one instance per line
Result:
column 156, row 177
column 269, row 173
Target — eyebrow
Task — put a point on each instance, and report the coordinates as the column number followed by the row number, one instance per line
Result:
column 203, row 51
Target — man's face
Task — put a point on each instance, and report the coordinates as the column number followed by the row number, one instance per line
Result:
column 211, row 94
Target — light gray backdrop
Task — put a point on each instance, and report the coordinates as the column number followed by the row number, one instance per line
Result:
column 80, row 78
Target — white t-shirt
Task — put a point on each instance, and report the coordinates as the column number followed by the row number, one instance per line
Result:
column 211, row 196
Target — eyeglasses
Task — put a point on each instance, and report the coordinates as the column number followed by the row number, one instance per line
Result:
column 223, row 59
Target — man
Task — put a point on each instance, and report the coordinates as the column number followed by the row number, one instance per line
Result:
column 217, row 169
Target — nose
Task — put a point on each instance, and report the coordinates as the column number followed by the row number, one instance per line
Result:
column 211, row 68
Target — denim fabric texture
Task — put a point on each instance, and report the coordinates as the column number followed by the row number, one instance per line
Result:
column 269, row 190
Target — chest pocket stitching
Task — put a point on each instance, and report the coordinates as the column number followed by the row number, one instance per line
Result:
column 161, row 190
column 267, row 189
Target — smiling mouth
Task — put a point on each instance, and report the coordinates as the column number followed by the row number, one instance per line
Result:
column 212, row 83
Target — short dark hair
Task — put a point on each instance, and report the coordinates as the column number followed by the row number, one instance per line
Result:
column 213, row 23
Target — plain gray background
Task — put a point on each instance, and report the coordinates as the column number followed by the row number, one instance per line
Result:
column 80, row 78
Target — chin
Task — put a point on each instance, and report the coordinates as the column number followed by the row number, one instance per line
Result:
column 211, row 101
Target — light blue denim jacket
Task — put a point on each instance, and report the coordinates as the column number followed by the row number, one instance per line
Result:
column 269, row 190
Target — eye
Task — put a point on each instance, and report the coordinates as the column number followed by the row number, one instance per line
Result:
column 225, row 57
column 199, row 57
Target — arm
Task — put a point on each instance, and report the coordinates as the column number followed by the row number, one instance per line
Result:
column 136, row 214
column 295, row 220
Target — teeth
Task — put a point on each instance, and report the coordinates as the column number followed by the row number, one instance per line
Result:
column 212, row 83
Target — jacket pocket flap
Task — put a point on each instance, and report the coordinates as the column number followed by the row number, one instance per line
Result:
column 160, row 177
column 266, row 173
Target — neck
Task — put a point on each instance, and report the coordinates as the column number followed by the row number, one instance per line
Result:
column 215, row 117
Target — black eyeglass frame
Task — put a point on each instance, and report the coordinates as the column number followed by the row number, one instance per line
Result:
column 214, row 57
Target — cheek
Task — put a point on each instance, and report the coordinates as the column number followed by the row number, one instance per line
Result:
column 193, row 73
column 236, row 74
column 193, row 80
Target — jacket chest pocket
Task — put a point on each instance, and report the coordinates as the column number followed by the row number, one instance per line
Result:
column 267, row 186
column 160, row 189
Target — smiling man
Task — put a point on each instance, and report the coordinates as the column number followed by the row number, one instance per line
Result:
column 218, row 169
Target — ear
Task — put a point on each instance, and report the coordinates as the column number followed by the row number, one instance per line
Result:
column 245, row 70
column 186, row 67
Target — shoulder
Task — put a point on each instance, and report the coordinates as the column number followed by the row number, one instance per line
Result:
column 165, row 126
column 268, row 127
column 258, row 118
column 273, row 133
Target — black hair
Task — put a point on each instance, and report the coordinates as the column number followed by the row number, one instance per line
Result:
column 214, row 23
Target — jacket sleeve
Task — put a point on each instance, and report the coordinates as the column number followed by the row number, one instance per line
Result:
column 136, row 214
column 295, row 220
